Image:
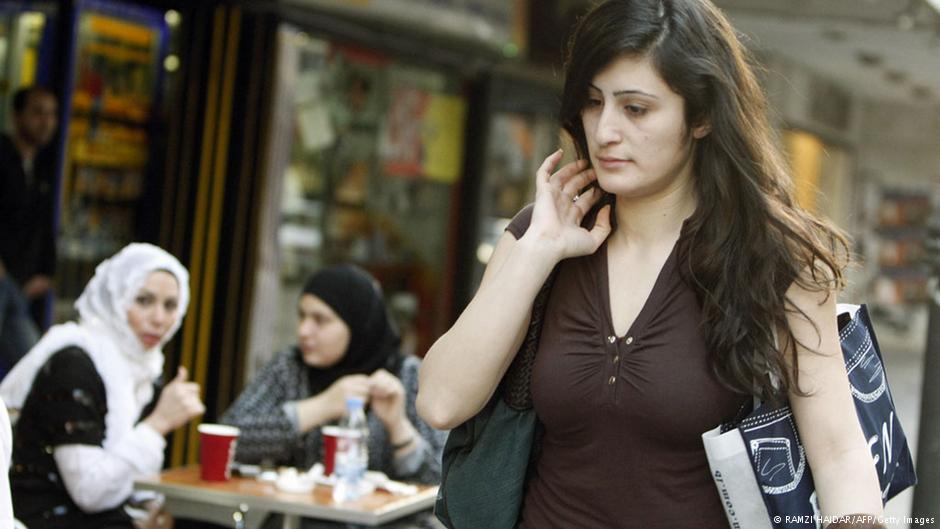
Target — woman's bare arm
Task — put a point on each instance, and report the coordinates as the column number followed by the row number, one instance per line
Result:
column 842, row 465
column 462, row 369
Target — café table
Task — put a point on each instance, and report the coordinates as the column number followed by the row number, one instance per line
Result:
column 246, row 502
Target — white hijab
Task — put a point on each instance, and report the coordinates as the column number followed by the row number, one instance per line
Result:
column 104, row 333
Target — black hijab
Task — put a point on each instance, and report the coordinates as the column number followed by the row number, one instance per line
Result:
column 356, row 297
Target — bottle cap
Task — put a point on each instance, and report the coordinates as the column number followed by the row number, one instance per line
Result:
column 354, row 403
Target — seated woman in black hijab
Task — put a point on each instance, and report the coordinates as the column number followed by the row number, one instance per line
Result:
column 346, row 346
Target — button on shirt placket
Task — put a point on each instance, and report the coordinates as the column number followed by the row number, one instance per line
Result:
column 611, row 382
column 618, row 349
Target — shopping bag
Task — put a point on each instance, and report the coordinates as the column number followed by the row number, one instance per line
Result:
column 777, row 475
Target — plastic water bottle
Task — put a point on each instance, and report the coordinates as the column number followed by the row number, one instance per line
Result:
column 352, row 452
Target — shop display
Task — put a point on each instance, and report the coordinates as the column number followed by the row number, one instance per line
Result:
column 516, row 145
column 422, row 136
column 26, row 35
column 900, row 230
column 376, row 151
column 117, row 58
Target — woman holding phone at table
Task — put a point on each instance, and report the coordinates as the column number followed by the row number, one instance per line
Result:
column 346, row 346
column 91, row 414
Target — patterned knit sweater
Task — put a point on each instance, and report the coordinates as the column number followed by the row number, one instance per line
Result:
column 269, row 435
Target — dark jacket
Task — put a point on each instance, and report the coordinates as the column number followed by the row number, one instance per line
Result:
column 27, row 211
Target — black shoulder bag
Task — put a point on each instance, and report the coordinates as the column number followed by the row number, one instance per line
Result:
column 486, row 459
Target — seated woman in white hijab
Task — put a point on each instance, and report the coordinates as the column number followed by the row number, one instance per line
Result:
column 91, row 418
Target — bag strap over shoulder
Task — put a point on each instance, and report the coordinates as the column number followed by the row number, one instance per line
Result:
column 516, row 385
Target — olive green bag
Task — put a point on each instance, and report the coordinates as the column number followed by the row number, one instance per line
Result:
column 486, row 459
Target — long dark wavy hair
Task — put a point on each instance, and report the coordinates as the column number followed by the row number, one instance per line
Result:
column 748, row 241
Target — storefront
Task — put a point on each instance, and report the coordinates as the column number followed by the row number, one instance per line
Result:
column 115, row 85
column 110, row 63
column 371, row 130
column 865, row 165
column 28, row 35
column 519, row 128
column 285, row 136
column 368, row 173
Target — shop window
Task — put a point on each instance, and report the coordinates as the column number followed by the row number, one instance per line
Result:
column 372, row 154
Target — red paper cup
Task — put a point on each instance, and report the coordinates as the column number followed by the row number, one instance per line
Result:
column 329, row 434
column 217, row 450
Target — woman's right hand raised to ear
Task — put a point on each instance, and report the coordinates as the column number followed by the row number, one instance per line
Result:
column 179, row 403
column 559, row 210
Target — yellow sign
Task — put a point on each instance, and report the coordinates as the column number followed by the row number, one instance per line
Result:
column 443, row 131
column 121, row 30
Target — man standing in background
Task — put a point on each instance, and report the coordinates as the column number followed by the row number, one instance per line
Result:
column 27, row 238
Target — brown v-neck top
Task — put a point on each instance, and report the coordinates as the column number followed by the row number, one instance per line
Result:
column 623, row 415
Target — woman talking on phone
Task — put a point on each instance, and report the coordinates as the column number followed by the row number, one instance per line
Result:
column 680, row 251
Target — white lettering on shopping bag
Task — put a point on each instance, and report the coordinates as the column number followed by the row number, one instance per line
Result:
column 887, row 440
column 887, row 453
column 726, row 499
